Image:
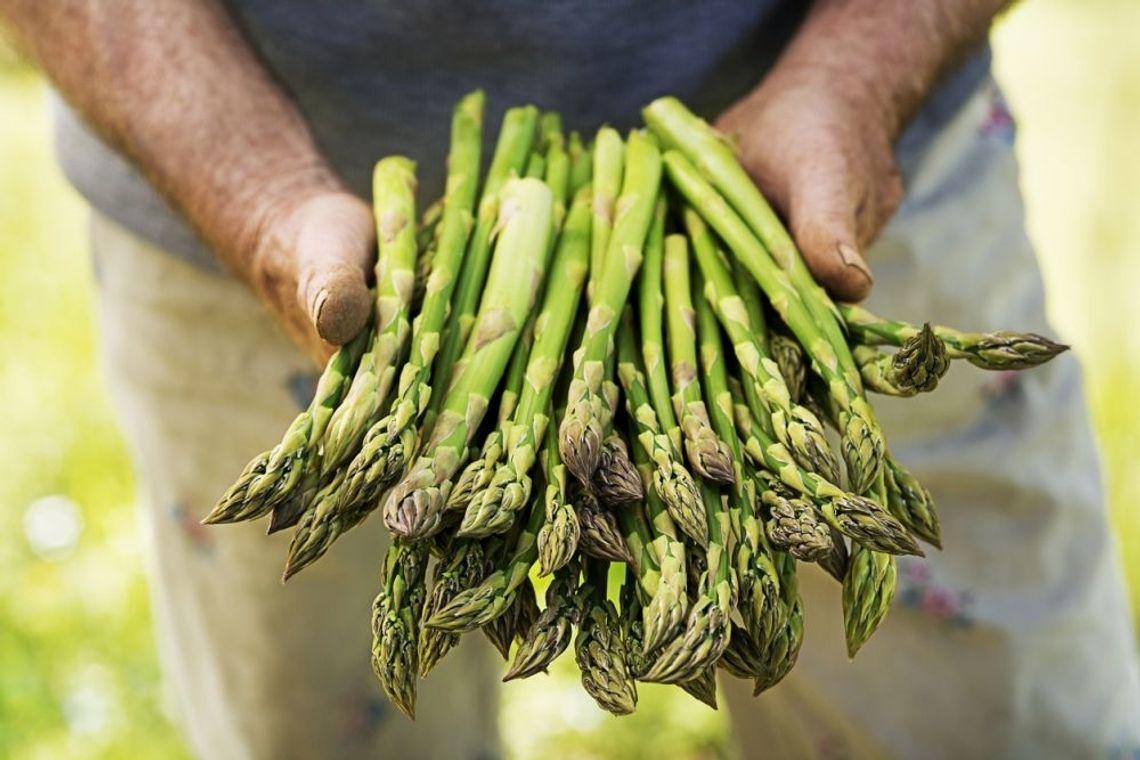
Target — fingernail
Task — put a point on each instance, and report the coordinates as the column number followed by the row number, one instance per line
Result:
column 319, row 304
column 852, row 259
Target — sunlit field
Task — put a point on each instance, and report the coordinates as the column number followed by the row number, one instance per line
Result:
column 78, row 676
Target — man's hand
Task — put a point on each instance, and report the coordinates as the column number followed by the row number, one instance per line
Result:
column 817, row 134
column 824, row 160
column 175, row 87
column 309, row 264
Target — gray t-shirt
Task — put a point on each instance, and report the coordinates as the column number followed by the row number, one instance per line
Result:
column 375, row 77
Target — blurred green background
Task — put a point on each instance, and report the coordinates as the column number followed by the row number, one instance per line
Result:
column 78, row 677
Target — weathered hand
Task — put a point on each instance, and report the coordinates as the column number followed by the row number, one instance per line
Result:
column 310, row 264
column 822, row 155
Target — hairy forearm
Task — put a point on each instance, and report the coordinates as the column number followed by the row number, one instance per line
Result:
column 175, row 87
column 887, row 54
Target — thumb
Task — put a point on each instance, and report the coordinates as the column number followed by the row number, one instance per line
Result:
column 335, row 246
column 823, row 217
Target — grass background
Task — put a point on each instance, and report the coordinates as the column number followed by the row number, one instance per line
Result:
column 78, row 677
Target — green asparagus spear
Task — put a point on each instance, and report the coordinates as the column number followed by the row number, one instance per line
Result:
column 581, row 163
column 559, row 534
column 858, row 517
column 509, row 485
column 757, row 582
column 616, row 482
column 394, row 190
column 862, row 440
column 707, row 454
column 659, row 561
column 912, row 504
column 516, row 136
column 868, row 589
column 413, row 508
column 609, row 154
column 588, row 410
column 478, row 606
column 915, row 368
column 394, row 618
column 462, row 569
column 552, row 631
column 389, row 443
column 599, row 649
column 1001, row 350
column 272, row 477
column 793, row 425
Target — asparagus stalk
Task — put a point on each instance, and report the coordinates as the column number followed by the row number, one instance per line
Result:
column 670, row 481
column 632, row 629
column 782, row 652
column 868, row 589
column 743, row 657
column 272, row 477
column 793, row 425
column 709, row 625
column 608, row 155
column 1001, row 350
column 509, row 485
column 463, row 569
column 757, row 582
column 857, row 517
column 588, row 412
column 478, row 606
column 912, row 504
column 474, row 480
column 862, row 440
column 414, row 505
column 707, row 454
column 775, row 345
column 394, row 189
column 710, row 152
column 516, row 136
column 600, row 650
column 394, row 616
column 581, row 163
column 600, row 536
column 702, row 688
column 552, row 631
column 289, row 512
column 616, row 482
column 559, row 534
column 315, row 530
column 659, row 562
column 838, row 559
column 915, row 368
column 515, row 622
column 789, row 358
column 558, row 166
column 795, row 526
column 389, row 443
column 535, row 166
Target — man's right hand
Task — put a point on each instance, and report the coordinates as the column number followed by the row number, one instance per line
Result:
column 309, row 265
column 175, row 86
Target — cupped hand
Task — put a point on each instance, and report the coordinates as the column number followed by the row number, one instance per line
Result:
column 310, row 267
column 822, row 155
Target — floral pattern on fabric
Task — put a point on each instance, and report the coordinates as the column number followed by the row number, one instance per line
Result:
column 191, row 528
column 998, row 123
column 918, row 591
column 362, row 715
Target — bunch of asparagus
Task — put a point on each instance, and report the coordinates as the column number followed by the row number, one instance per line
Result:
column 606, row 368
